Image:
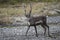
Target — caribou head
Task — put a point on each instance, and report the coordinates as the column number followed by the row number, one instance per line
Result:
column 28, row 15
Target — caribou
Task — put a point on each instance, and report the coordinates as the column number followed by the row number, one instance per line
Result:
column 35, row 21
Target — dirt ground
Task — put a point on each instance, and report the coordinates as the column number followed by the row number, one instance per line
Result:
column 18, row 33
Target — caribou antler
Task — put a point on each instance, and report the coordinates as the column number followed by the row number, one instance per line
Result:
column 25, row 8
column 30, row 9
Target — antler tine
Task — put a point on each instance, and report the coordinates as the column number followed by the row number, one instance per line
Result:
column 25, row 8
column 30, row 9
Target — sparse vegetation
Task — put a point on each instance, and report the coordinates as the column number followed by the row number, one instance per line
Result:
column 8, row 10
column 25, row 1
column 11, row 10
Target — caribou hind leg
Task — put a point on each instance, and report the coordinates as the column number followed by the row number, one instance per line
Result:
column 44, row 29
column 48, row 30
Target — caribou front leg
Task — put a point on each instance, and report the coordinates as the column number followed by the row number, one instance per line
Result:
column 27, row 30
column 36, row 30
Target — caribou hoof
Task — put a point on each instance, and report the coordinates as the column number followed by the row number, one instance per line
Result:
column 25, row 34
column 36, row 35
column 51, row 36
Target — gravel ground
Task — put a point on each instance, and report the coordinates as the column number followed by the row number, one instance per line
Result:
column 18, row 33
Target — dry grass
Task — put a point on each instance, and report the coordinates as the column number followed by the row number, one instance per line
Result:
column 12, row 10
column 36, row 8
